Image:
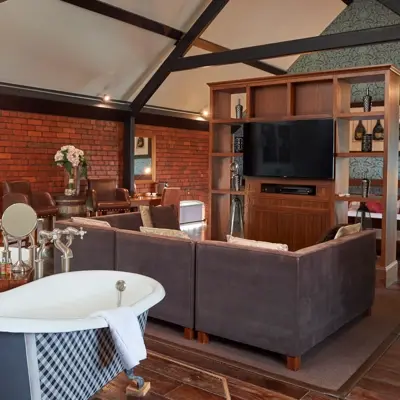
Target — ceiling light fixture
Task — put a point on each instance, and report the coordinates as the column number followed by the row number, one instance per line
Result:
column 205, row 113
column 106, row 98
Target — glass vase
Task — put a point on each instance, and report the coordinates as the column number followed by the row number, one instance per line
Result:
column 73, row 182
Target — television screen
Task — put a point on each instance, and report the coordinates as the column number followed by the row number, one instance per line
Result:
column 292, row 149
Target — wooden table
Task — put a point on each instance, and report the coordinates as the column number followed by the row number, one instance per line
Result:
column 12, row 281
column 137, row 201
column 70, row 206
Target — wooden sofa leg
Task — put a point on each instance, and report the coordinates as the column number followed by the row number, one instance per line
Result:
column 293, row 363
column 203, row 338
column 368, row 312
column 188, row 333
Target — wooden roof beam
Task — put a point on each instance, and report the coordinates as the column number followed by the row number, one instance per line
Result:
column 150, row 25
column 358, row 38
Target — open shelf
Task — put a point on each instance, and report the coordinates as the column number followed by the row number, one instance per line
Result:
column 268, row 101
column 351, row 116
column 226, row 154
column 361, row 154
column 228, row 121
column 311, row 98
column 354, row 197
column 228, row 191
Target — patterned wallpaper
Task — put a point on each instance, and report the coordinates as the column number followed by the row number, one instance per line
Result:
column 361, row 14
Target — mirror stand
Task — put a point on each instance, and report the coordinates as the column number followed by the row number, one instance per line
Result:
column 20, row 267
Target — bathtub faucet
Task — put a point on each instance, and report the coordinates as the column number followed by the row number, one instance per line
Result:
column 67, row 254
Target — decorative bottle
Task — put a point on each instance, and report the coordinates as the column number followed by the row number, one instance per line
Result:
column 366, row 143
column 359, row 131
column 364, row 187
column 239, row 110
column 378, row 132
column 367, row 101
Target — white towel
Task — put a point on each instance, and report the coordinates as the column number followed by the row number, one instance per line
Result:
column 126, row 333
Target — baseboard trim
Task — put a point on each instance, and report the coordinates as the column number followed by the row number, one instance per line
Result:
column 390, row 273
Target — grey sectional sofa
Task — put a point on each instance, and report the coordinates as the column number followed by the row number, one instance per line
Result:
column 285, row 302
column 170, row 261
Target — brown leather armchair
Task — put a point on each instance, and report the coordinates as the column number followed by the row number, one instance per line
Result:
column 103, row 195
column 21, row 192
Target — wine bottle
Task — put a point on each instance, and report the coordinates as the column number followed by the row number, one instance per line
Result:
column 239, row 110
column 378, row 132
column 359, row 131
column 367, row 101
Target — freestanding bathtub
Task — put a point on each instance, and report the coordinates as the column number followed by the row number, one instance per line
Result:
column 50, row 347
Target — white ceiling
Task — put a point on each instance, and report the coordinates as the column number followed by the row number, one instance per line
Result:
column 55, row 45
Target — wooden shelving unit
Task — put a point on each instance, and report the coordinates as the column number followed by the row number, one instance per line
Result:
column 297, row 220
column 360, row 154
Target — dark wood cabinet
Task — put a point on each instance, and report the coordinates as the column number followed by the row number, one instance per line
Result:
column 296, row 220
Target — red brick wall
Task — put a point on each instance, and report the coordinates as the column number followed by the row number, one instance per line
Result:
column 181, row 160
column 28, row 143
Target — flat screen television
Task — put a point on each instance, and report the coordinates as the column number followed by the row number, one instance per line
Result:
column 291, row 149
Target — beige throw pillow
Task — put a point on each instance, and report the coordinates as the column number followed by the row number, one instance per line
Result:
column 165, row 232
column 348, row 230
column 255, row 243
column 146, row 216
column 90, row 221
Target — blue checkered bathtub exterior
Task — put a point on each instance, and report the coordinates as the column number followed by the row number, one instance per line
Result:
column 76, row 365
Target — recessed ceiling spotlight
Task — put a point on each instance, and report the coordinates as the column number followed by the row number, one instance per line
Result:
column 106, row 98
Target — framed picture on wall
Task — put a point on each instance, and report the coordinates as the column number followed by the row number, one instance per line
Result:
column 142, row 146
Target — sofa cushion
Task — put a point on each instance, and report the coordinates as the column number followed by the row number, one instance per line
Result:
column 254, row 243
column 146, row 216
column 90, row 221
column 164, row 217
column 348, row 230
column 330, row 235
column 165, row 232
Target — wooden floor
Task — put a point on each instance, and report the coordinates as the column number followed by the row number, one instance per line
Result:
column 175, row 378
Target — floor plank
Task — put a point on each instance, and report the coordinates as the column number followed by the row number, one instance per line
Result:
column 186, row 392
column 181, row 373
column 246, row 391
column 359, row 393
column 160, row 383
column 245, row 375
column 316, row 396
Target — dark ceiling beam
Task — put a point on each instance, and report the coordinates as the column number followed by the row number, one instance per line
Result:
column 183, row 45
column 293, row 47
column 393, row 5
column 150, row 25
column 216, row 48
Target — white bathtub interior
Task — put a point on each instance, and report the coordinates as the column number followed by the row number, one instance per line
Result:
column 74, row 296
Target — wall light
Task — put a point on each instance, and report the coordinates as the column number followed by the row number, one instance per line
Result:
column 147, row 171
column 205, row 113
column 106, row 98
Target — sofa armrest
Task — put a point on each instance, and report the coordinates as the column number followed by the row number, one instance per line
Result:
column 95, row 252
column 122, row 194
column 247, row 295
column 168, row 260
column 336, row 284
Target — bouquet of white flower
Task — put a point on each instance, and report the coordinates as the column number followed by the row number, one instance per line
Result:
column 75, row 164
column 70, row 157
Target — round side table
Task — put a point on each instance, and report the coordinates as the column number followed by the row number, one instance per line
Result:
column 70, row 206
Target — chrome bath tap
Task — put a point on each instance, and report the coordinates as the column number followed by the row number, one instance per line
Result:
column 56, row 237
column 67, row 254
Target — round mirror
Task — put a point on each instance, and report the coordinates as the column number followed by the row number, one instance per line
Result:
column 19, row 220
